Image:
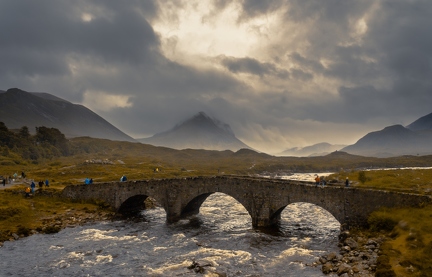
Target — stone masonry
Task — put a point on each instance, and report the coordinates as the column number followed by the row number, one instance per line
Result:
column 263, row 198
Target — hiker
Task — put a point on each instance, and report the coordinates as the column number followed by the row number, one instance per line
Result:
column 27, row 192
column 346, row 182
column 41, row 183
column 317, row 180
column 91, row 181
column 46, row 183
column 4, row 181
column 123, row 179
column 87, row 181
column 32, row 186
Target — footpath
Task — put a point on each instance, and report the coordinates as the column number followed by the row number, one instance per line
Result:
column 12, row 184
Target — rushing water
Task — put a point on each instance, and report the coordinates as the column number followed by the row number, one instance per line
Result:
column 220, row 238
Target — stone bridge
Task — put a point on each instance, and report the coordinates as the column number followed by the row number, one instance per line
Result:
column 263, row 198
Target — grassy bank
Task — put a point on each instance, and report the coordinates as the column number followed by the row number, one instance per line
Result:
column 41, row 212
column 403, row 180
column 408, row 249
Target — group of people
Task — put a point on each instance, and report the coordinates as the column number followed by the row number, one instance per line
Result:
column 320, row 181
column 32, row 187
column 89, row 181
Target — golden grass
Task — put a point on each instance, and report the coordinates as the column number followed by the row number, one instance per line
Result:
column 410, row 246
column 406, row 180
column 17, row 212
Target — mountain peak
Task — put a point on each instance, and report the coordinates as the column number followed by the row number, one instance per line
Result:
column 202, row 120
column 198, row 132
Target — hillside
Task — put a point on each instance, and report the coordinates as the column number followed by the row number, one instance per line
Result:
column 423, row 123
column 391, row 141
column 198, row 132
column 19, row 108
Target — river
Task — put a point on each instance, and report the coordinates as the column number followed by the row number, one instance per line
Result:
column 220, row 238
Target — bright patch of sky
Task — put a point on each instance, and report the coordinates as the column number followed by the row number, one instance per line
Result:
column 198, row 32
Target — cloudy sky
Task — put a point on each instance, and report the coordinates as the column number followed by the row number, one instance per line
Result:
column 281, row 73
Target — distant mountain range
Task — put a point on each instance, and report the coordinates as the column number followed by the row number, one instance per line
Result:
column 396, row 140
column 19, row 108
column 198, row 132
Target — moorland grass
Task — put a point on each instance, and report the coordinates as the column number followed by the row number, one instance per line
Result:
column 19, row 214
column 403, row 180
column 409, row 246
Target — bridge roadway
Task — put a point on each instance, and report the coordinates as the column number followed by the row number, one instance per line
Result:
column 263, row 198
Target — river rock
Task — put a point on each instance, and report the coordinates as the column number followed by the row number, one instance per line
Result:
column 351, row 243
column 343, row 268
column 331, row 256
column 15, row 236
column 322, row 260
column 344, row 235
column 327, row 268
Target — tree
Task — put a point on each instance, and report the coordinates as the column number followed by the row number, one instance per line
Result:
column 24, row 132
column 53, row 137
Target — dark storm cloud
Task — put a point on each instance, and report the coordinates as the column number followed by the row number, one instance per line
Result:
column 40, row 38
column 55, row 28
column 385, row 74
column 319, row 66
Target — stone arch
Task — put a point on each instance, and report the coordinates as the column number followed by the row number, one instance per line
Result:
column 133, row 204
column 193, row 205
column 275, row 217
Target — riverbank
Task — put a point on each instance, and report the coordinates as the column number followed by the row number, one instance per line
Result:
column 359, row 255
column 45, row 212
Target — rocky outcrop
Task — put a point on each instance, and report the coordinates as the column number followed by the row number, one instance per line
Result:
column 357, row 256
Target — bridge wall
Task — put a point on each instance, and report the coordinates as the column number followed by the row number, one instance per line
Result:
column 264, row 199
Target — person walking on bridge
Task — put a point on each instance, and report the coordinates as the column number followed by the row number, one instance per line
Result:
column 317, row 181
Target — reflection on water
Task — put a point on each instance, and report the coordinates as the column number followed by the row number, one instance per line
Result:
column 220, row 237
